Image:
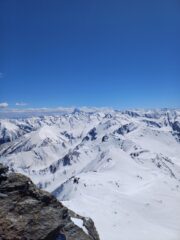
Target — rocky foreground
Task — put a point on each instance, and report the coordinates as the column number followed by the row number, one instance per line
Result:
column 29, row 213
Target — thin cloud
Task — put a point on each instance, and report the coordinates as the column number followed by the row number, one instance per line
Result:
column 21, row 104
column 4, row 105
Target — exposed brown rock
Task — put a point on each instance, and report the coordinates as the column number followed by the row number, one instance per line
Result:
column 28, row 213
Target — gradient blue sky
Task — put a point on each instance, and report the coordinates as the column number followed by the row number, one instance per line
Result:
column 122, row 54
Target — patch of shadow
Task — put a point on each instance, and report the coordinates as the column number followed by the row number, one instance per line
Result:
column 126, row 129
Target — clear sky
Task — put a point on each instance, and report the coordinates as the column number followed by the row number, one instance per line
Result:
column 122, row 54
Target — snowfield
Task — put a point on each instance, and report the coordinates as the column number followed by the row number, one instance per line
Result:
column 121, row 168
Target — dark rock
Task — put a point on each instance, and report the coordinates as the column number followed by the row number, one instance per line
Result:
column 92, row 135
column 52, row 168
column 176, row 126
column 131, row 113
column 105, row 138
column 126, row 129
column 88, row 224
column 66, row 160
column 3, row 169
column 86, row 138
column 76, row 180
column 152, row 124
column 27, row 212
column 108, row 115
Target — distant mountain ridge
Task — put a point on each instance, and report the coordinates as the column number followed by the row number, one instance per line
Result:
column 121, row 168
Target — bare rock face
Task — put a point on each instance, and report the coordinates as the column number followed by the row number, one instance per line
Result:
column 28, row 213
column 88, row 224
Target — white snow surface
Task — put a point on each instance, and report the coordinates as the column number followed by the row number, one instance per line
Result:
column 79, row 223
column 121, row 168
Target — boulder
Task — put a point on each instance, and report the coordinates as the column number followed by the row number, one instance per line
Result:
column 28, row 213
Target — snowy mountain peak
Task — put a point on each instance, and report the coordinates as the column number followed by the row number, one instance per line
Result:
column 123, row 165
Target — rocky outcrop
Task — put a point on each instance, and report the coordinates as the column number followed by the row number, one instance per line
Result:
column 88, row 224
column 28, row 213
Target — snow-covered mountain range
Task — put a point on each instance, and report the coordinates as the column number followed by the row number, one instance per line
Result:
column 121, row 168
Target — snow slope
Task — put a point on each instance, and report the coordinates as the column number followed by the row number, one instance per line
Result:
column 121, row 168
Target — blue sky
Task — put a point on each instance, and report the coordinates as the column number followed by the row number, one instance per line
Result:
column 122, row 54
